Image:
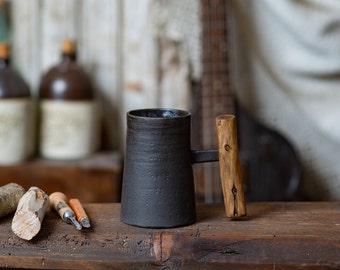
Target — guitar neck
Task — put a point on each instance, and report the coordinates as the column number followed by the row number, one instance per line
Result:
column 216, row 96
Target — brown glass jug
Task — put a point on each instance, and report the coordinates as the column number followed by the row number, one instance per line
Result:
column 16, row 113
column 69, row 123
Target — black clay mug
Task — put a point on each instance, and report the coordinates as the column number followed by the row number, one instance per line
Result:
column 158, row 184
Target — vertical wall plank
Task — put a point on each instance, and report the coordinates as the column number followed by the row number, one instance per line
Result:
column 140, row 59
column 100, row 50
column 181, row 22
column 139, row 55
column 4, row 25
column 157, row 64
column 178, row 32
column 25, row 42
column 58, row 21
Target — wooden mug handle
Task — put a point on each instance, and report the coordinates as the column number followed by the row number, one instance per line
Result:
column 230, row 172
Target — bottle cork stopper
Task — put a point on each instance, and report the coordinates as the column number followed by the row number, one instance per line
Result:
column 4, row 50
column 68, row 46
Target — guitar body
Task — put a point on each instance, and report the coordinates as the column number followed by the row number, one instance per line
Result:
column 270, row 165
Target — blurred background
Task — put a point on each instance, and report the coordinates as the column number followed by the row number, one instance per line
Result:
column 271, row 65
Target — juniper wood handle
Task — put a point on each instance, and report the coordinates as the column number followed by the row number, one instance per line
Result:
column 230, row 173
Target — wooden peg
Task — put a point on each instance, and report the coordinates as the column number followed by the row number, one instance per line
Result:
column 30, row 213
column 230, row 173
column 10, row 195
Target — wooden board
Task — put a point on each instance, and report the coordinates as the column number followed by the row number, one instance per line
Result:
column 93, row 179
column 273, row 236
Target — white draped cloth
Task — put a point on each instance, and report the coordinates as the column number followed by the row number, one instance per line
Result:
column 286, row 70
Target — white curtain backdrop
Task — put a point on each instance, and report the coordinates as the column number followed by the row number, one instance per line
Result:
column 286, row 68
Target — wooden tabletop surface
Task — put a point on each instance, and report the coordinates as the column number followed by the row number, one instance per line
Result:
column 304, row 235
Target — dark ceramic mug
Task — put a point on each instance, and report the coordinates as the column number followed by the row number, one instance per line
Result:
column 158, row 185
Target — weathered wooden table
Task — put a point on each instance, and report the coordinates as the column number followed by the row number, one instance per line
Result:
column 273, row 236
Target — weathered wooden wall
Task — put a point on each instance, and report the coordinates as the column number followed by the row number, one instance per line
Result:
column 140, row 53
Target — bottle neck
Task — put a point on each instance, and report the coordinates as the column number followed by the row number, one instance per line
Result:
column 68, row 57
column 4, row 62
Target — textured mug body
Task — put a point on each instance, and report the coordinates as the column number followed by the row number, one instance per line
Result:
column 158, row 185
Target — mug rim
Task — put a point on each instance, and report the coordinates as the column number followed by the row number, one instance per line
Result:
column 158, row 113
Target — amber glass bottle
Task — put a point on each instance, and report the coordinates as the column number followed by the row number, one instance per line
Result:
column 69, row 111
column 16, row 113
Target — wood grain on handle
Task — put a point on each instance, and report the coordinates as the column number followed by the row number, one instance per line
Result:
column 59, row 202
column 230, row 166
column 56, row 197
